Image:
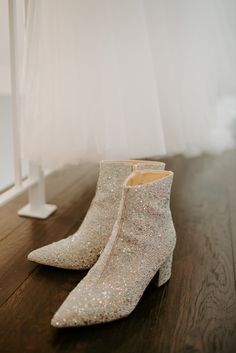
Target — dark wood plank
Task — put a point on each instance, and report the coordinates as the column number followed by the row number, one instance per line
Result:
column 230, row 173
column 73, row 203
column 56, row 183
column 199, row 308
column 194, row 312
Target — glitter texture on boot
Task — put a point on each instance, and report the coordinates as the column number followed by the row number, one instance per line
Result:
column 82, row 249
column 142, row 243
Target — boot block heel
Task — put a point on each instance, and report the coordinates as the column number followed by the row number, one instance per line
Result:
column 164, row 273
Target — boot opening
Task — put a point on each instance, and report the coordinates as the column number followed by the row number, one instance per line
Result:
column 143, row 177
column 133, row 162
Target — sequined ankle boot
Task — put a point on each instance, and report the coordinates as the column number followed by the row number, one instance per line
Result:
column 82, row 249
column 141, row 245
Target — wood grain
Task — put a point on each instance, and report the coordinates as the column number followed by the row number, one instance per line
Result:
column 194, row 312
column 31, row 234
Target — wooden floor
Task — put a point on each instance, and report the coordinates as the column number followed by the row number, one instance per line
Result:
column 194, row 312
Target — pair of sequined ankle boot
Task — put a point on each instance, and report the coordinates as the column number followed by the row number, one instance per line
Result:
column 126, row 237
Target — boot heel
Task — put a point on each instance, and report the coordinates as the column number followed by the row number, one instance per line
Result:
column 164, row 273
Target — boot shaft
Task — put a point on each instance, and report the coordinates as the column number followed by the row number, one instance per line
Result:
column 112, row 174
column 145, row 215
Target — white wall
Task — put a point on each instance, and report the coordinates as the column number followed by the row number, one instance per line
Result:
column 6, row 153
column 4, row 49
column 6, row 146
column 6, row 138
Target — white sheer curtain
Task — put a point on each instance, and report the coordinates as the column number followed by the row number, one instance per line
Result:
column 127, row 78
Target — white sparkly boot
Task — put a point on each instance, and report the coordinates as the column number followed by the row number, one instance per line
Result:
column 82, row 249
column 142, row 243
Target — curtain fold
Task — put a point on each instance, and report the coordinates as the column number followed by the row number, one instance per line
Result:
column 108, row 79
